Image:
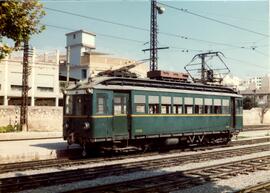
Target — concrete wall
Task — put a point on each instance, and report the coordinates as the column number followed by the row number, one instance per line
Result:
column 40, row 118
column 252, row 117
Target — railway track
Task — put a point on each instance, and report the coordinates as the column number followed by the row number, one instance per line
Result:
column 184, row 179
column 68, row 176
column 259, row 188
column 40, row 164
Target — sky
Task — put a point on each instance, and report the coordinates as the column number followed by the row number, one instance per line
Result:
column 198, row 34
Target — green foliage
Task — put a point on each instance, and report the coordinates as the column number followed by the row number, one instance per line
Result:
column 248, row 103
column 8, row 128
column 19, row 20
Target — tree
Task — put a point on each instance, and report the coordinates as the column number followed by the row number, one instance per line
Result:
column 19, row 20
column 248, row 103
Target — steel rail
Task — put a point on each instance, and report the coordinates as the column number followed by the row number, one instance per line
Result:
column 184, row 179
column 73, row 160
column 68, row 176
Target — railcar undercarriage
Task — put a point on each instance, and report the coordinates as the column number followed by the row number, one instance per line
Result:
column 145, row 143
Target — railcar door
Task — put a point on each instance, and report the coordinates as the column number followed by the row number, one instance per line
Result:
column 120, row 116
column 233, row 113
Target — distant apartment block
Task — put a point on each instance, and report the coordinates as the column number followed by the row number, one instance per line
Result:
column 43, row 80
column 48, row 70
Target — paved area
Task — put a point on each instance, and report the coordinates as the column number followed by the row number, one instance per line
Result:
column 27, row 150
column 29, row 135
column 17, row 150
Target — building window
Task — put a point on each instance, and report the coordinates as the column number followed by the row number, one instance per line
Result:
column 84, row 73
column 16, row 87
column 44, row 89
column 74, row 36
column 139, row 101
column 153, row 104
column 69, row 105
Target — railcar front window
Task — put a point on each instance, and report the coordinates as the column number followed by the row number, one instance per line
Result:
column 78, row 105
column 69, row 105
column 100, row 105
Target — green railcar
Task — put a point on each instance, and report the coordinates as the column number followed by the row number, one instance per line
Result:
column 115, row 111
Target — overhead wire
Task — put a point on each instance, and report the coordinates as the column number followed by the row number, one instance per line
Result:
column 122, row 38
column 215, row 20
column 143, row 29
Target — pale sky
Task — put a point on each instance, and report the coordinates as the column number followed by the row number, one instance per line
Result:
column 202, row 35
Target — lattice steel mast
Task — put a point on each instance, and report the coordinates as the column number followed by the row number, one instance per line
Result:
column 153, row 37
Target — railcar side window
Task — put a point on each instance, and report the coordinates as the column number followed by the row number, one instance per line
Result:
column 153, row 104
column 166, row 104
column 69, row 105
column 225, row 106
column 139, row 101
column 198, row 105
column 239, row 107
column 188, row 105
column 101, row 104
column 207, row 105
column 217, row 106
column 177, row 105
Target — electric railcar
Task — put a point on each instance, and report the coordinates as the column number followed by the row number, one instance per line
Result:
column 121, row 112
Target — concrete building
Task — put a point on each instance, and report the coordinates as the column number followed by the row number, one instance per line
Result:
column 84, row 62
column 260, row 95
column 43, row 80
column 255, row 83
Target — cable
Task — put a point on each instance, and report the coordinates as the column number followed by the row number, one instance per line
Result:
column 215, row 20
column 141, row 29
column 137, row 41
column 100, row 34
column 96, row 19
column 245, row 62
column 259, row 52
column 121, row 38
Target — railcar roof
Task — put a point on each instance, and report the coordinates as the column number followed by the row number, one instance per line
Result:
column 118, row 83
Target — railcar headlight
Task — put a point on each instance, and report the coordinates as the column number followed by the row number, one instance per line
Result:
column 66, row 125
column 86, row 125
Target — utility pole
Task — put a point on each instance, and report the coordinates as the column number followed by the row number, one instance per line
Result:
column 203, row 68
column 68, row 65
column 25, row 88
column 155, row 9
column 153, row 37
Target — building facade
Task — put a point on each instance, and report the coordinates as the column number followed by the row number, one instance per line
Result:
column 43, row 80
column 82, row 61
